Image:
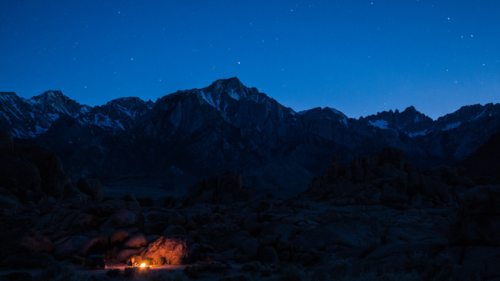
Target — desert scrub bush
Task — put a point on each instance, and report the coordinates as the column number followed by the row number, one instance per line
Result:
column 292, row 273
column 60, row 272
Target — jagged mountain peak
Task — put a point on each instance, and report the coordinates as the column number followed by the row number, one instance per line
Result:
column 326, row 113
column 53, row 101
column 410, row 108
column 410, row 121
column 322, row 111
column 231, row 83
column 470, row 111
column 8, row 94
column 233, row 87
column 50, row 97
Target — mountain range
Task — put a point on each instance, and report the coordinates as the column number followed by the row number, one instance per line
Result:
column 227, row 125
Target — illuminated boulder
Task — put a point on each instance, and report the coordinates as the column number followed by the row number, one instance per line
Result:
column 136, row 241
column 167, row 250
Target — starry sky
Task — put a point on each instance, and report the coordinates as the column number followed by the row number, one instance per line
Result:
column 360, row 57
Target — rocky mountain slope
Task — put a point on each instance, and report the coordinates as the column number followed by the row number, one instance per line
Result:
column 483, row 165
column 227, row 125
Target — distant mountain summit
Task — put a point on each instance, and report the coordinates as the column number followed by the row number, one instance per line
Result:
column 28, row 118
column 118, row 114
column 410, row 121
column 55, row 101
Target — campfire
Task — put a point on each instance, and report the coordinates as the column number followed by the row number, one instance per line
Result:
column 137, row 270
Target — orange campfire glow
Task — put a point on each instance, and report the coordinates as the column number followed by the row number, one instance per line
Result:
column 143, row 265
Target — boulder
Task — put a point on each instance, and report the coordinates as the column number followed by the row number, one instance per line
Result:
column 101, row 210
column 84, row 222
column 285, row 256
column 269, row 240
column 252, row 224
column 154, row 228
column 35, row 241
column 123, row 219
column 268, row 255
column 167, row 250
column 136, row 241
column 251, row 248
column 70, row 246
column 306, row 259
column 119, row 237
column 174, row 230
column 126, row 254
column 194, row 252
column 95, row 246
column 91, row 187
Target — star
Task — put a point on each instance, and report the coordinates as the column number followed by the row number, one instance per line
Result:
column 131, row 58
column 448, row 18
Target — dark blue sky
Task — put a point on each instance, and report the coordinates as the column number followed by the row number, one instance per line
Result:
column 357, row 56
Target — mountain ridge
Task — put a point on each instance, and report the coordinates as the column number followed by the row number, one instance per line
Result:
column 227, row 125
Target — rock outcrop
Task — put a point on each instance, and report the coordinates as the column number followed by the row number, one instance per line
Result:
column 224, row 189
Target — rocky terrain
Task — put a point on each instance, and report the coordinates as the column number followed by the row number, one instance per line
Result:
column 375, row 218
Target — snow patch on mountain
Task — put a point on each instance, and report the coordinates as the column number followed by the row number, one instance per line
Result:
column 451, row 126
column 236, row 95
column 480, row 115
column 207, row 98
column 423, row 133
column 382, row 124
column 53, row 116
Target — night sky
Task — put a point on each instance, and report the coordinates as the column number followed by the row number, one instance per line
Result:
column 360, row 57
